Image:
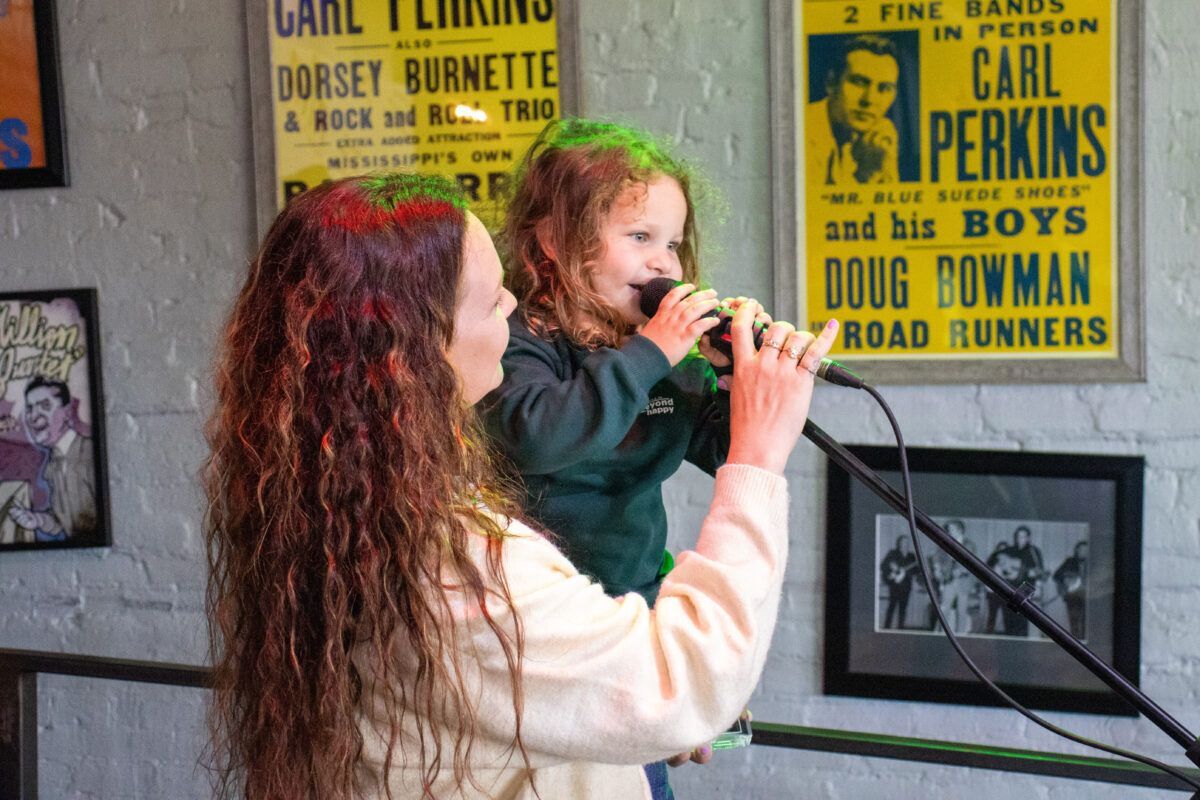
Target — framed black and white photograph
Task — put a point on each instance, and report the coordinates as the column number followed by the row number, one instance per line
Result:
column 53, row 475
column 1069, row 526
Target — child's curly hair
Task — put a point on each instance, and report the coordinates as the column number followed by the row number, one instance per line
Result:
column 563, row 189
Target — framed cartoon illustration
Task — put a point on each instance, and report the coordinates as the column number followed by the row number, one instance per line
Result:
column 32, row 141
column 53, row 476
column 1068, row 526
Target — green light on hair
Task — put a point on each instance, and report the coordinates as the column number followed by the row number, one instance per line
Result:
column 643, row 150
column 391, row 189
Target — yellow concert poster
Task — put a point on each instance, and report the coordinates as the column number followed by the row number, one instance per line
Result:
column 959, row 166
column 450, row 87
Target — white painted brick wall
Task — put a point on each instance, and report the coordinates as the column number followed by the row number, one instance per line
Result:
column 159, row 218
column 1157, row 419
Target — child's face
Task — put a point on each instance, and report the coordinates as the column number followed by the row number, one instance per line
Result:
column 640, row 238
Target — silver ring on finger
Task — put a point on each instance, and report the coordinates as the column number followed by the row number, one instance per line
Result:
column 773, row 343
column 796, row 345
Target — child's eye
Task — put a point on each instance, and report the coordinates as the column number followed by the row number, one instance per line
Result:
column 672, row 246
column 640, row 236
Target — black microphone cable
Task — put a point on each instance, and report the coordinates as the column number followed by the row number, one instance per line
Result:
column 833, row 372
column 971, row 665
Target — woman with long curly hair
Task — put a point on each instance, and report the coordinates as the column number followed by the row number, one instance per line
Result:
column 383, row 625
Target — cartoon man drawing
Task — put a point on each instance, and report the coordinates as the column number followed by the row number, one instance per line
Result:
column 68, row 470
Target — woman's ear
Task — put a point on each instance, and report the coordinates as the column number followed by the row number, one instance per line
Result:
column 544, row 231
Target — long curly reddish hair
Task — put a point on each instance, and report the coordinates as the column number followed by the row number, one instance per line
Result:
column 564, row 188
column 345, row 483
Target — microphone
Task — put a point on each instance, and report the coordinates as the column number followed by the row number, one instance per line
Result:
column 719, row 337
column 722, row 340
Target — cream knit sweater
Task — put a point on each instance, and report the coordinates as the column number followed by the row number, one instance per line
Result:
column 609, row 684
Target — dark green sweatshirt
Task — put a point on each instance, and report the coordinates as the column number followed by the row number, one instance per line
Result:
column 594, row 433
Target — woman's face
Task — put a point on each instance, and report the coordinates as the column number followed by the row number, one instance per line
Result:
column 480, row 329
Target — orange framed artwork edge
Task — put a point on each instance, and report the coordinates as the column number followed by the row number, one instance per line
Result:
column 32, row 135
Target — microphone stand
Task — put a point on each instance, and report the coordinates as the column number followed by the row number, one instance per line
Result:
column 1017, row 598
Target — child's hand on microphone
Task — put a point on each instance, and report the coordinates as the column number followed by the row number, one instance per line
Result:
column 680, row 320
column 720, row 361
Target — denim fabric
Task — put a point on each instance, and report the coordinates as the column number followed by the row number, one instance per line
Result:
column 660, row 785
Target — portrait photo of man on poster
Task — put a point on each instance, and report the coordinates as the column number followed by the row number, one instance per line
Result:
column 860, row 122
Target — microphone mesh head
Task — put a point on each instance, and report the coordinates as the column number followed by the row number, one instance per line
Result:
column 653, row 294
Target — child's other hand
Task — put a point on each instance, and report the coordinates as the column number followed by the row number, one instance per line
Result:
column 704, row 753
column 680, row 320
column 728, row 307
column 700, row 755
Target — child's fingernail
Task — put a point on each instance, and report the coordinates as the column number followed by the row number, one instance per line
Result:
column 832, row 324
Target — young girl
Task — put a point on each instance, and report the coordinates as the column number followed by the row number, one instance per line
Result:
column 599, row 404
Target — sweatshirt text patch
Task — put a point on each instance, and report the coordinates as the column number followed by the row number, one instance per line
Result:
column 660, row 405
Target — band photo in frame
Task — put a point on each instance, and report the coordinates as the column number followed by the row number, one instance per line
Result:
column 1067, row 525
column 1051, row 556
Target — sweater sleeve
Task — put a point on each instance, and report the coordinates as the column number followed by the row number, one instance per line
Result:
column 607, row 679
column 545, row 422
column 709, row 444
